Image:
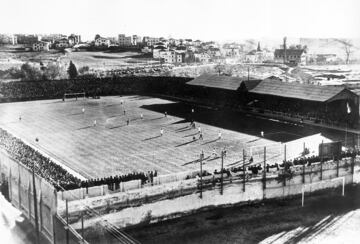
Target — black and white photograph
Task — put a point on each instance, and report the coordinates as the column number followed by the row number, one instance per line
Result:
column 179, row 122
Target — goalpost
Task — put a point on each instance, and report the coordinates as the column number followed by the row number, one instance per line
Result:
column 322, row 182
column 75, row 95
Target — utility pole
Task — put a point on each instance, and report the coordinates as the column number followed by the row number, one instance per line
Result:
column 264, row 171
column 201, row 159
column 67, row 223
column 35, row 206
column 243, row 170
column 222, row 167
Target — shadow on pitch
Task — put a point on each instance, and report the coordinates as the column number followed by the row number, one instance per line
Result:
column 210, row 141
column 151, row 138
column 179, row 131
column 75, row 114
column 180, row 145
column 192, row 134
column 118, row 126
column 86, row 127
column 196, row 161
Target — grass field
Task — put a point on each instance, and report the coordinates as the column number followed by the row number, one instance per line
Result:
column 112, row 147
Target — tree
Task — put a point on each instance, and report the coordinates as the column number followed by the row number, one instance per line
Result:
column 84, row 70
column 97, row 36
column 348, row 48
column 51, row 72
column 72, row 71
column 219, row 68
column 29, row 72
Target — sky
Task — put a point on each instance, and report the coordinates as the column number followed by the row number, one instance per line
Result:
column 217, row 20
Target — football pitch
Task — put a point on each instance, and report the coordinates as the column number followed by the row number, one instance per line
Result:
column 68, row 135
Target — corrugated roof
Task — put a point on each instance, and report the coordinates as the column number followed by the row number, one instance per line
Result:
column 296, row 90
column 222, row 82
column 293, row 52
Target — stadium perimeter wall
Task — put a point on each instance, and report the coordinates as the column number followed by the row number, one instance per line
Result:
column 181, row 198
column 20, row 182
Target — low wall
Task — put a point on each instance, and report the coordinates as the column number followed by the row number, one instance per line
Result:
column 94, row 191
column 179, row 198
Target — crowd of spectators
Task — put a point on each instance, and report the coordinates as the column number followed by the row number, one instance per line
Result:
column 57, row 175
column 43, row 166
column 30, row 90
column 114, row 181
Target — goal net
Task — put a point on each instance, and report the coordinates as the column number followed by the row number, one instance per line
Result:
column 324, row 184
column 74, row 96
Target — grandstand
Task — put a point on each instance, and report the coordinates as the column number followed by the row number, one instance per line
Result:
column 331, row 105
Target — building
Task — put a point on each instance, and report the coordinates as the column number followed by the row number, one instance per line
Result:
column 290, row 56
column 326, row 58
column 102, row 42
column 202, row 57
column 52, row 38
column 40, row 46
column 8, row 39
column 171, row 56
column 231, row 52
column 27, row 39
column 125, row 41
column 325, row 104
column 62, row 43
column 197, row 43
column 150, row 41
column 74, row 39
column 156, row 51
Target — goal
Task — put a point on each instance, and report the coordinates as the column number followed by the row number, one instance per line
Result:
column 73, row 96
column 323, row 185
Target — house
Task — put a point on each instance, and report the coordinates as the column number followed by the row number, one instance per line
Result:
column 27, row 39
column 214, row 52
column 171, row 56
column 74, row 39
column 102, row 42
column 258, row 55
column 40, row 46
column 62, row 43
column 197, row 43
column 231, row 52
column 325, row 58
column 150, row 41
column 8, row 39
column 125, row 41
column 202, row 57
column 291, row 56
column 157, row 50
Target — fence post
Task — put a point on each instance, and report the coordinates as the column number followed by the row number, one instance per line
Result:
column 35, row 205
column 321, row 160
column 264, row 171
column 337, row 168
column 244, row 170
column 222, row 177
column 201, row 158
column 82, row 226
column 19, row 188
column 303, row 174
column 67, row 222
column 29, row 198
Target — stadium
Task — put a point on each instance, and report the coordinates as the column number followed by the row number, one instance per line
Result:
column 100, row 130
